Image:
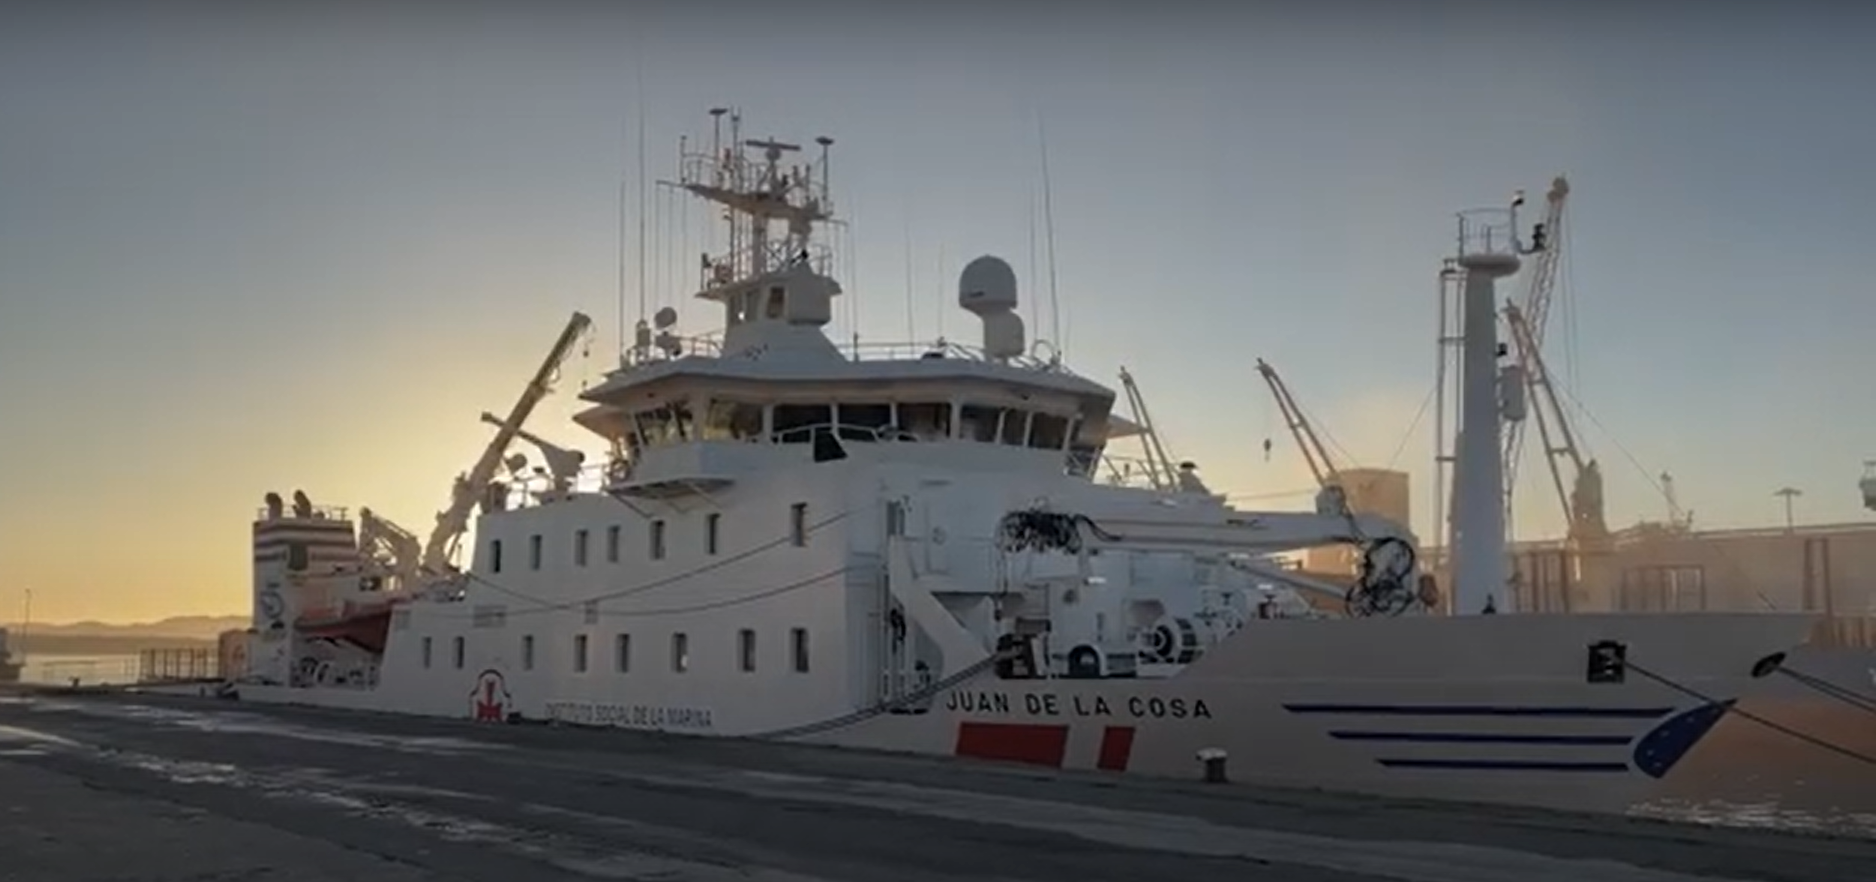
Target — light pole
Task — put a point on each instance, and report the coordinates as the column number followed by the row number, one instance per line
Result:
column 1789, row 493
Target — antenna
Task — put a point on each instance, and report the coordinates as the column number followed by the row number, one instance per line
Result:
column 1048, row 228
column 911, row 324
column 640, row 67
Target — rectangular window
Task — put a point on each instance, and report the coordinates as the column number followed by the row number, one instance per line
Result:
column 459, row 651
column 622, row 653
column 746, row 650
column 527, row 653
column 798, row 648
column 712, row 527
column 657, row 540
column 579, row 653
column 680, row 652
column 612, row 544
column 579, row 548
column 798, row 523
column 495, row 555
column 426, row 652
column 534, row 552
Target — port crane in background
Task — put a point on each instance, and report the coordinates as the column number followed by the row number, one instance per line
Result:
column 1680, row 520
column 1332, row 497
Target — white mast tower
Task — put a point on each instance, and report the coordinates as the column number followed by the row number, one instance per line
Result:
column 1488, row 251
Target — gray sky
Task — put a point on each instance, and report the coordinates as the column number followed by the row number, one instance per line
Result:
column 243, row 248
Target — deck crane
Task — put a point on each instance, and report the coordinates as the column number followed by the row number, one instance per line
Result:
column 472, row 487
column 1581, row 494
column 1680, row 520
column 1545, row 259
column 1159, row 466
column 1332, row 498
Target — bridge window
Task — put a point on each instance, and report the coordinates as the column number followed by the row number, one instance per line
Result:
column 777, row 299
column 1015, row 428
column 793, row 421
column 798, row 524
column 1048, row 431
column 1084, row 453
column 732, row 421
column 657, row 540
column 459, row 650
column 622, row 653
column 672, row 423
column 926, row 421
column 527, row 652
column 746, row 650
column 977, row 422
column 863, row 422
column 612, row 544
column 680, row 652
column 495, row 555
column 713, row 524
column 426, row 652
column 579, row 548
column 579, row 653
column 534, row 552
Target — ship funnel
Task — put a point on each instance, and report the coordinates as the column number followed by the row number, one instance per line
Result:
column 987, row 289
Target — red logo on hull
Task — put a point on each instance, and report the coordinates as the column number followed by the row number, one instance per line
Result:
column 489, row 700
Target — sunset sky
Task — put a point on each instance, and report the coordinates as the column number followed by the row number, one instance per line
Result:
column 244, row 249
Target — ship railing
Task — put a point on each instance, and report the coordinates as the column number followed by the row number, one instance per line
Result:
column 738, row 173
column 730, row 267
column 1040, row 358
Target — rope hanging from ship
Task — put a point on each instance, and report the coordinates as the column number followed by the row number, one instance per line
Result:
column 1774, row 725
column 1838, row 692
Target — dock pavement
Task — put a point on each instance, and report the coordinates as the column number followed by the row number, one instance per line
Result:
column 120, row 786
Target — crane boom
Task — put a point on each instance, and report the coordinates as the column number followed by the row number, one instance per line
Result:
column 471, row 486
column 1159, row 465
column 1537, row 298
column 1314, row 452
column 1581, row 494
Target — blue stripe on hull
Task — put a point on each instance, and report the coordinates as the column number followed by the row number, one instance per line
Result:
column 1482, row 738
column 1508, row 765
column 1482, row 710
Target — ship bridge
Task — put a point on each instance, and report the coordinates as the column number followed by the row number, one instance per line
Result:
column 769, row 386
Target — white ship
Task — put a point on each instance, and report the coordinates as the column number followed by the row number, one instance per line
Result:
column 792, row 541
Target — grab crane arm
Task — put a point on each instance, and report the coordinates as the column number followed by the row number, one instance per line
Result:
column 1313, row 451
column 471, row 486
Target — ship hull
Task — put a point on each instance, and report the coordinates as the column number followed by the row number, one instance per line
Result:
column 1489, row 708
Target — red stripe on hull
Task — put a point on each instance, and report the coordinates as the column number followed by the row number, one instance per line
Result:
column 1014, row 742
column 1116, row 749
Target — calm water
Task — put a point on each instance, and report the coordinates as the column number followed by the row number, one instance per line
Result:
column 1794, row 786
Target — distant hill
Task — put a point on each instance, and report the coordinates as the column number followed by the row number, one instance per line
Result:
column 101, row 638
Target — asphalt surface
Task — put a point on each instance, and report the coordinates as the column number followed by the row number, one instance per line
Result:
column 122, row 787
